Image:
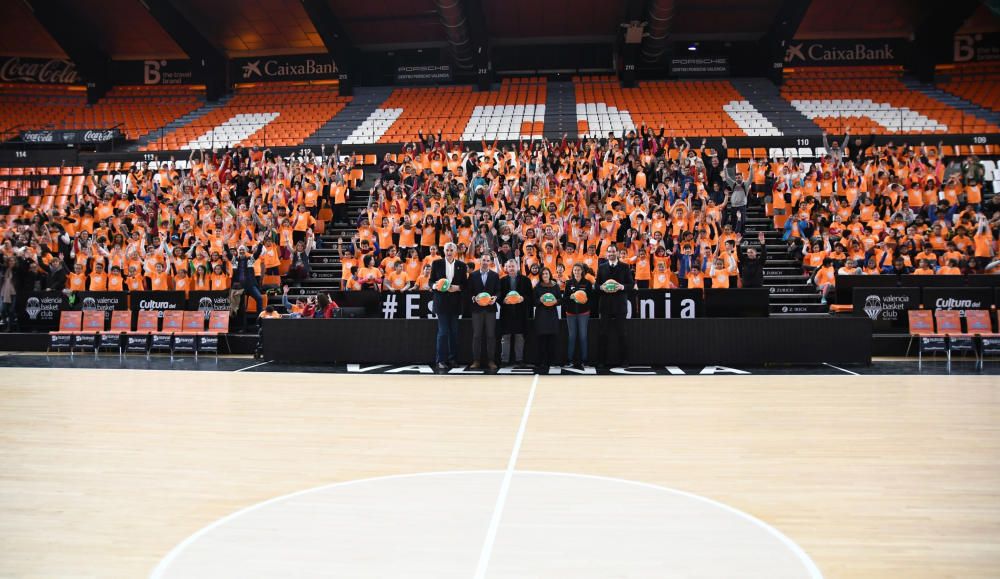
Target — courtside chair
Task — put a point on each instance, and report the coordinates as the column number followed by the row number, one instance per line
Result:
column 121, row 322
column 979, row 323
column 186, row 340
column 138, row 340
column 70, row 323
column 93, row 324
column 163, row 339
column 949, row 323
column 922, row 328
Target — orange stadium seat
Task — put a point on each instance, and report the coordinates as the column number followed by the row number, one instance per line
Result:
column 873, row 100
column 976, row 82
column 273, row 114
column 702, row 108
column 136, row 110
column 514, row 111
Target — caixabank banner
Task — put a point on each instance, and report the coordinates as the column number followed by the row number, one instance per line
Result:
column 844, row 52
column 292, row 67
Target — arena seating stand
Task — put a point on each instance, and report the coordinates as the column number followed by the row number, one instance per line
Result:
column 515, row 110
column 711, row 108
column 37, row 106
column 135, row 110
column 977, row 82
column 266, row 115
column 873, row 100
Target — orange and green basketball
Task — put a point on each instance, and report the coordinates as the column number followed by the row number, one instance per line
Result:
column 513, row 298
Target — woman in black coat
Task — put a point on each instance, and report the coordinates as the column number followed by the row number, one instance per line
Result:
column 546, row 320
column 577, row 316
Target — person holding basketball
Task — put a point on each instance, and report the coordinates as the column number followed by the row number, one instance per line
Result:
column 576, row 306
column 547, row 296
column 484, row 286
column 515, row 289
column 614, row 280
column 448, row 277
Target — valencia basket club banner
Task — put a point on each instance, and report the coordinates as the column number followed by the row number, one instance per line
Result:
column 642, row 304
column 844, row 52
column 886, row 307
column 39, row 311
column 208, row 302
column 104, row 301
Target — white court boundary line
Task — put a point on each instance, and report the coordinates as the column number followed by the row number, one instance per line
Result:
column 254, row 366
column 491, row 534
column 807, row 562
column 842, row 369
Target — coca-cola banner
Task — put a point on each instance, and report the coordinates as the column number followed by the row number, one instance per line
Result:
column 78, row 137
column 293, row 67
column 38, row 70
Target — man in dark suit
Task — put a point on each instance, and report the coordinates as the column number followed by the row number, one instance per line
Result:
column 513, row 317
column 484, row 318
column 448, row 305
column 614, row 306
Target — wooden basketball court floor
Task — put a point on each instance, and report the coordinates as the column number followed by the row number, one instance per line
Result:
column 104, row 471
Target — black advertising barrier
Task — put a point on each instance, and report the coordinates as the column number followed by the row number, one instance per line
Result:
column 847, row 283
column 958, row 298
column 649, row 342
column 152, row 72
column 886, row 307
column 105, row 301
column 77, row 137
column 208, row 302
column 39, row 311
column 290, row 67
column 642, row 304
column 664, row 304
column 737, row 303
column 845, row 52
column 159, row 301
column 370, row 300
